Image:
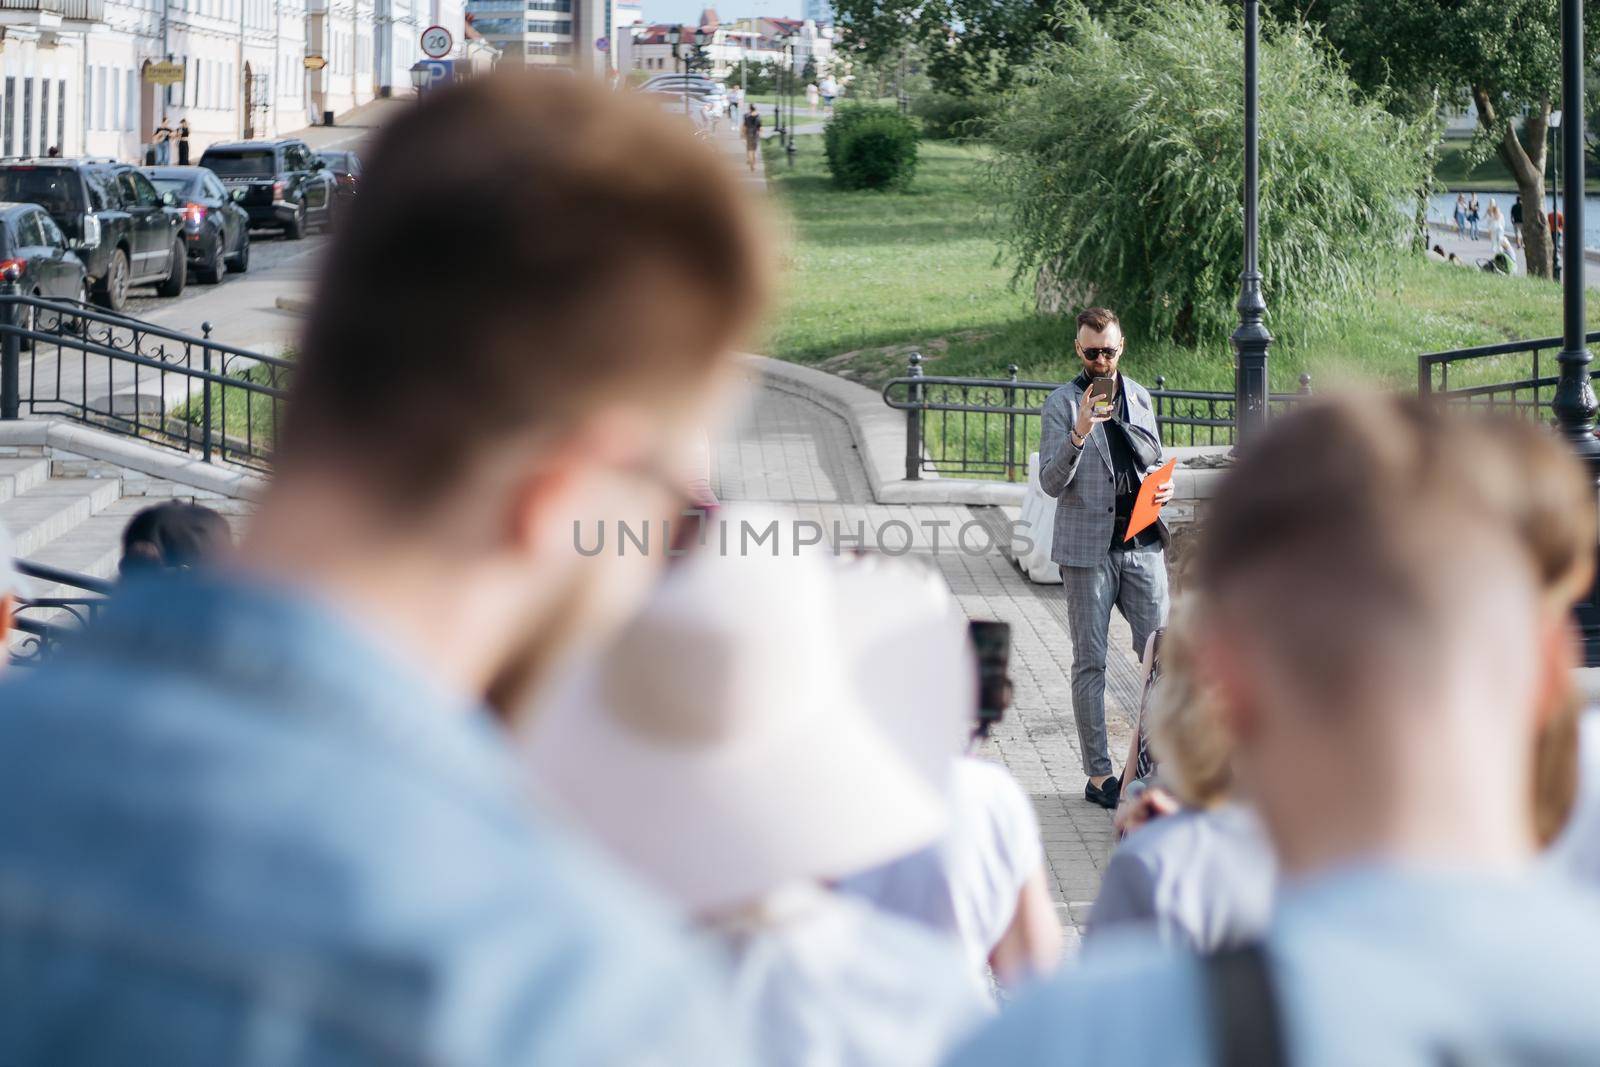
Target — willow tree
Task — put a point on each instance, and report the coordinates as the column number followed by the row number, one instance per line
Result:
column 1118, row 169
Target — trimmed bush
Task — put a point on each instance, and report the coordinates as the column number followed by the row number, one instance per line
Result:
column 870, row 146
column 1119, row 171
column 948, row 117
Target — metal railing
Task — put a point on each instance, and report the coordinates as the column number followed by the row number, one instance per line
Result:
column 54, row 6
column 989, row 426
column 1477, row 376
column 44, row 623
column 191, row 394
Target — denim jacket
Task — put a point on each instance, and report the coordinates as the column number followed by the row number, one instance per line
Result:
column 234, row 832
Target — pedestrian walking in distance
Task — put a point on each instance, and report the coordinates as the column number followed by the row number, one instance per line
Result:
column 752, row 137
column 1097, row 446
column 1516, row 221
column 1496, row 220
column 1461, row 214
column 163, row 142
column 183, row 142
column 1474, row 216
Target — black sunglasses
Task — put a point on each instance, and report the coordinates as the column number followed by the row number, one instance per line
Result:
column 1100, row 353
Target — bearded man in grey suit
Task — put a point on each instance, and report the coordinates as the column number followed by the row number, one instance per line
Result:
column 1093, row 457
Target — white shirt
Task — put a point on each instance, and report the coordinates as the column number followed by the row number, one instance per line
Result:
column 967, row 883
column 824, row 980
column 1577, row 850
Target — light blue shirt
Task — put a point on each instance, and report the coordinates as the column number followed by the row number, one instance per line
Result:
column 1371, row 967
column 234, row 832
column 1201, row 879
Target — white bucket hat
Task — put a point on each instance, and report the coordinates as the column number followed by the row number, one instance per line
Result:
column 911, row 657
column 721, row 746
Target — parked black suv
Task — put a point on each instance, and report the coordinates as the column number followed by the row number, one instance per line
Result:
column 285, row 186
column 112, row 217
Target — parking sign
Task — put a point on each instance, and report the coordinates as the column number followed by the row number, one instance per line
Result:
column 440, row 73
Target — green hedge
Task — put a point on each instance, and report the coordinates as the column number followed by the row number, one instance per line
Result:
column 947, row 117
column 870, row 146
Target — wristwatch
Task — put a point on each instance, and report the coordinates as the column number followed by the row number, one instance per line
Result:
column 1077, row 442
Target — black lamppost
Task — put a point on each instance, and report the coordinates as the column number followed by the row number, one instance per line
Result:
column 793, row 55
column 1574, row 402
column 701, row 39
column 1251, row 340
column 675, row 38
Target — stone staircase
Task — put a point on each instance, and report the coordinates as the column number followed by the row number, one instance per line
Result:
column 71, row 523
column 67, row 492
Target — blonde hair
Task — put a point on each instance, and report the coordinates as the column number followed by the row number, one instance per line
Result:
column 1191, row 743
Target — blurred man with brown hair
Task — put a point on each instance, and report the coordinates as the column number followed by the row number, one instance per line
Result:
column 261, row 815
column 1381, row 655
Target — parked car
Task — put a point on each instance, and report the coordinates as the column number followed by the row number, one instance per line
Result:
column 215, row 228
column 32, row 245
column 111, row 216
column 346, row 170
column 284, row 186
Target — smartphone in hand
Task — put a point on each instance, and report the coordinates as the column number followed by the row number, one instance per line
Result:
column 1104, row 392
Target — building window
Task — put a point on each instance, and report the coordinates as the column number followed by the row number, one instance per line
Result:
column 10, row 106
column 27, row 116
column 61, row 114
column 130, row 100
column 44, row 114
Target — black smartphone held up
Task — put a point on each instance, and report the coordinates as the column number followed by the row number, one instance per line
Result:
column 992, row 643
column 1104, row 391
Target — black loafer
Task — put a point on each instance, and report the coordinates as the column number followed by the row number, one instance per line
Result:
column 1105, row 794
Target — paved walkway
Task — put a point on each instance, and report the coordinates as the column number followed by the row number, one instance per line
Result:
column 1471, row 252
column 790, row 451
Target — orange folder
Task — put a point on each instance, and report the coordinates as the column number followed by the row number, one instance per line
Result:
column 1145, row 508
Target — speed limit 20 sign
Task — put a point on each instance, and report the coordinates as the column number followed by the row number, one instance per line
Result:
column 437, row 42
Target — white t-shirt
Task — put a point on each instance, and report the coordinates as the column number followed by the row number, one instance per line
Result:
column 967, row 883
column 826, row 980
column 1577, row 850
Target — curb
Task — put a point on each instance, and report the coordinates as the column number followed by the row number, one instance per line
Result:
column 135, row 456
column 880, row 436
column 879, row 433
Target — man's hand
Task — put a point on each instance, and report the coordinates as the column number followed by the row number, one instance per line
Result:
column 1166, row 492
column 1088, row 418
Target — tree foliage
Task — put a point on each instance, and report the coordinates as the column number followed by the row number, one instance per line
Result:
column 968, row 46
column 1502, row 56
column 1119, row 169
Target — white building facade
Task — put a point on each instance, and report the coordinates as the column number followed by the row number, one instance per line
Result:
column 72, row 71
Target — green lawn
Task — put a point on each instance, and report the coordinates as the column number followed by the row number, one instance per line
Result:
column 248, row 419
column 874, row 275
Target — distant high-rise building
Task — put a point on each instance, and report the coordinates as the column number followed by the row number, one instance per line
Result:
column 819, row 11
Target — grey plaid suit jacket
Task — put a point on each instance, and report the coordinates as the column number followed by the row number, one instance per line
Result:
column 1080, row 480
